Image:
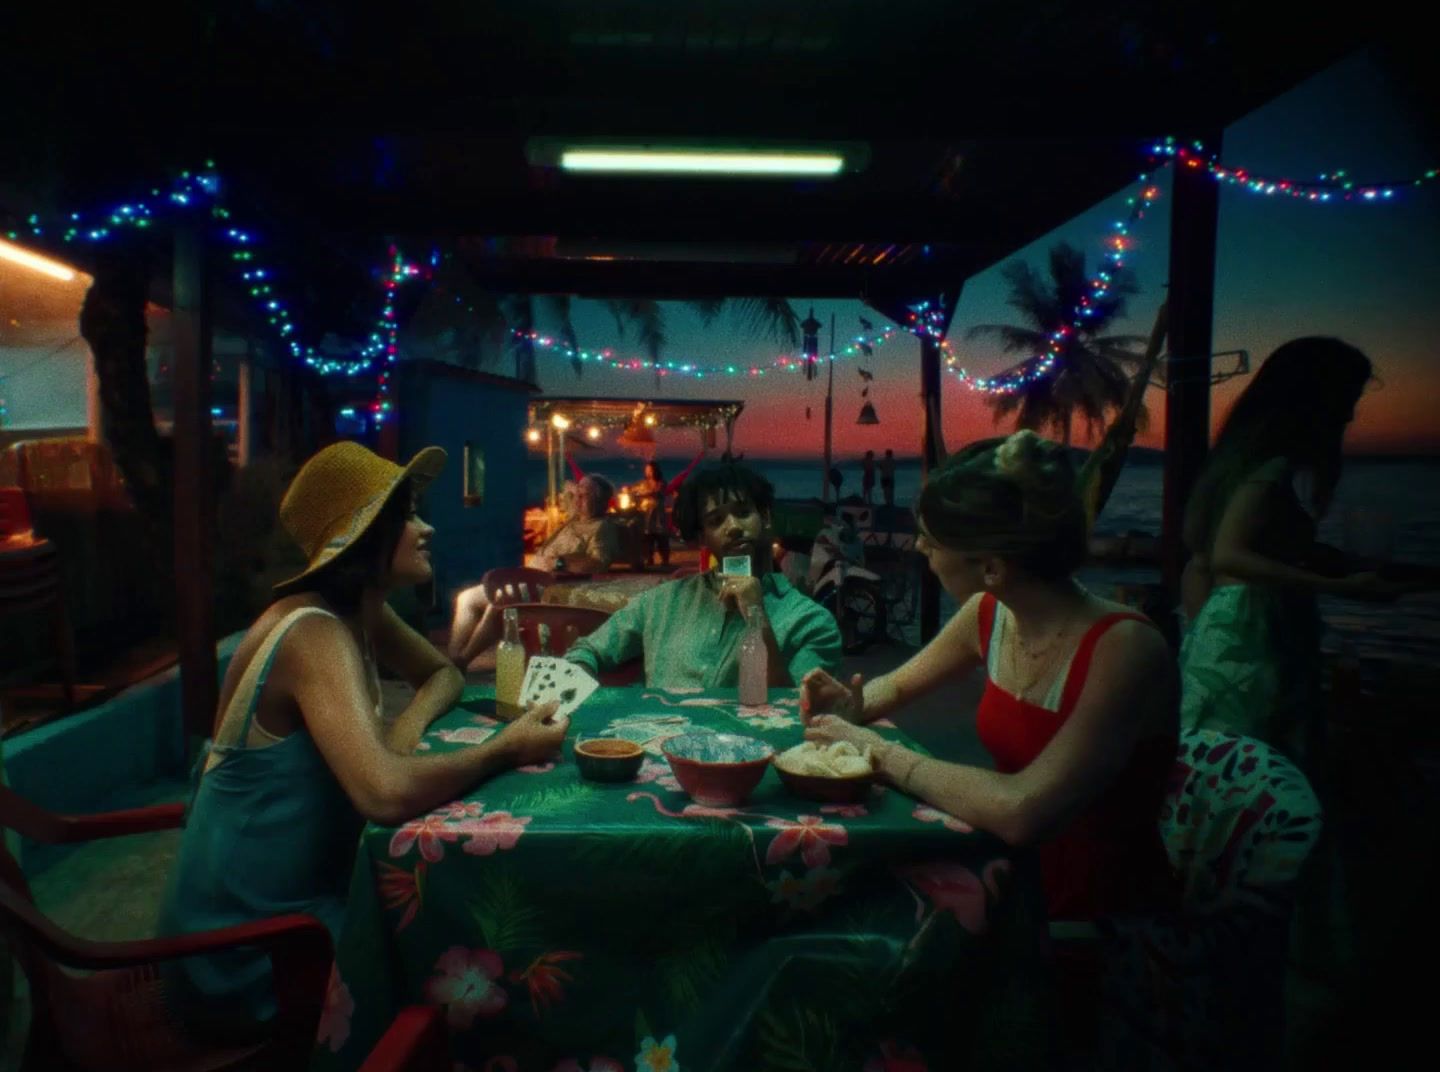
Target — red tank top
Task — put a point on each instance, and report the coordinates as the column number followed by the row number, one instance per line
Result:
column 1110, row 857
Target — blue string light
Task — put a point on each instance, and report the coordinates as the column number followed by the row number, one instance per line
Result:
column 861, row 344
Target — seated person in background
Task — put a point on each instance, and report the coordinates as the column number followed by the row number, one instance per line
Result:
column 689, row 630
column 1081, row 703
column 588, row 542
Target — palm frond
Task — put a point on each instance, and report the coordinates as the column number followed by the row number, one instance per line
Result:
column 1013, row 339
column 768, row 318
column 707, row 308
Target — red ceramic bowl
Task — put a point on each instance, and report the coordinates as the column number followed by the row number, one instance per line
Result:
column 717, row 769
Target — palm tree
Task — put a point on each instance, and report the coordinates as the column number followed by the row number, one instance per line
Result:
column 1094, row 369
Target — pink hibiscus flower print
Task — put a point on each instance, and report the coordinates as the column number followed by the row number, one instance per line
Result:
column 659, row 772
column 808, row 833
column 429, row 832
column 487, row 834
column 464, row 983
column 846, row 811
column 335, row 1017
column 926, row 814
column 537, row 768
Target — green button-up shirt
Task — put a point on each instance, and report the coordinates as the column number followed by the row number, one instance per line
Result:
column 690, row 640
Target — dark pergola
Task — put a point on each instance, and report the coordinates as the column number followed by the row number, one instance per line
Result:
column 983, row 125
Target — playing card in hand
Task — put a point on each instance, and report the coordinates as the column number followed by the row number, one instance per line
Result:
column 551, row 680
column 736, row 566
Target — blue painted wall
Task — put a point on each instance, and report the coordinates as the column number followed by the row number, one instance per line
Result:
column 446, row 406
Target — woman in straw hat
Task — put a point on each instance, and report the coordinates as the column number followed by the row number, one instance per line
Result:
column 301, row 757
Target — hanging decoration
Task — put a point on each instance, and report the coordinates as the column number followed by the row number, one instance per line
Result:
column 810, row 343
column 1327, row 186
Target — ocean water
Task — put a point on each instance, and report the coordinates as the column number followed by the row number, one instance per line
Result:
column 1404, row 494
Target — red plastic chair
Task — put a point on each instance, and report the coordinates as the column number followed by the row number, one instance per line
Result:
column 515, row 584
column 115, row 1017
column 416, row 1041
column 15, row 520
column 565, row 625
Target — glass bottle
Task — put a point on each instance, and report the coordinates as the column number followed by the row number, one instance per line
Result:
column 754, row 661
column 509, row 666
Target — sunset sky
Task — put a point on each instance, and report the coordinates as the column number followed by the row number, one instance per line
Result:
column 1367, row 273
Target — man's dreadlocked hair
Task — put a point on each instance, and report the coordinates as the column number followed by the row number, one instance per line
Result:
column 725, row 483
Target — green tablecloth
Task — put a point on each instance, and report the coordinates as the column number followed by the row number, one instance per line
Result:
column 568, row 925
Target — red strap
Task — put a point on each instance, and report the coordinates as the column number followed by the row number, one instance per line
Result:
column 987, row 624
column 1080, row 663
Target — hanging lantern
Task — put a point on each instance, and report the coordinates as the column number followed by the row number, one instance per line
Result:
column 810, row 343
column 867, row 414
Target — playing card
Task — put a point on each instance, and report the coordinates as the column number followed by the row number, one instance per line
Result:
column 736, row 565
column 548, row 680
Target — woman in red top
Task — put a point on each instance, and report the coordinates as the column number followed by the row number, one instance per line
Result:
column 1080, row 709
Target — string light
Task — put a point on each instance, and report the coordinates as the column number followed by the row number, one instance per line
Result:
column 861, row 344
column 1327, row 186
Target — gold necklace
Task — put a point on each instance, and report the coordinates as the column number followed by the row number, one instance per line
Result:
column 1038, row 672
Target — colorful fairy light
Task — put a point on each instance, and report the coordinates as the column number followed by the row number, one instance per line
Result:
column 861, row 344
column 204, row 187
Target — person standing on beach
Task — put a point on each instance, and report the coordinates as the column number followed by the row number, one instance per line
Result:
column 887, row 477
column 867, row 479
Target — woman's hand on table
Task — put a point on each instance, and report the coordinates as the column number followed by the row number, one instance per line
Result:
column 827, row 729
column 821, row 694
column 535, row 736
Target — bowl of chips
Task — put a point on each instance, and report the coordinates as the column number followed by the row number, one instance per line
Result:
column 717, row 769
column 837, row 773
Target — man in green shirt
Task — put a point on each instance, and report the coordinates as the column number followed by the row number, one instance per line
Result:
column 689, row 630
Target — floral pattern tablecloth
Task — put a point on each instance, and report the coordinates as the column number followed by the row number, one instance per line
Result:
column 566, row 925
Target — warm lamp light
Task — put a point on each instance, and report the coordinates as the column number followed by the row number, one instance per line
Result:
column 649, row 420
column 593, row 431
column 560, row 421
column 533, row 435
column 624, row 500
column 36, row 263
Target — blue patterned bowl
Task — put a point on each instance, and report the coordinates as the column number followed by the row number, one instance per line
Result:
column 717, row 769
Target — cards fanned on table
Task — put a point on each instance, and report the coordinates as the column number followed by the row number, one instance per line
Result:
column 548, row 679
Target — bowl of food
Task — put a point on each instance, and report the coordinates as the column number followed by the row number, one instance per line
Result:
column 608, row 759
column 837, row 773
column 717, row 769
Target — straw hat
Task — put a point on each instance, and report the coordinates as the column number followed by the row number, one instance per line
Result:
column 340, row 492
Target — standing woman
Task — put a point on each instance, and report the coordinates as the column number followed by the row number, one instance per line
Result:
column 301, row 757
column 1250, row 663
column 652, row 492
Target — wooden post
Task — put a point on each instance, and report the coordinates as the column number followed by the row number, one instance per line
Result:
column 932, row 453
column 194, row 485
column 1194, row 213
column 244, row 411
column 829, row 416
column 94, row 411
